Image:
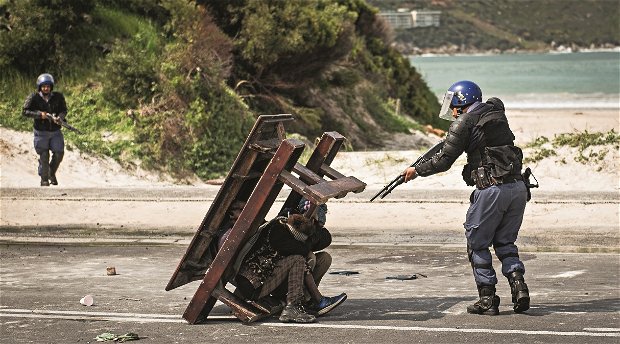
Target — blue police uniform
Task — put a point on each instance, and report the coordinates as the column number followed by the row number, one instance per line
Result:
column 47, row 134
column 497, row 204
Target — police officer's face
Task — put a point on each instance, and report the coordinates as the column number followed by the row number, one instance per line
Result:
column 46, row 88
column 455, row 113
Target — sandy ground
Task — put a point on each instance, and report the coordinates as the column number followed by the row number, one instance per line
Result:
column 19, row 161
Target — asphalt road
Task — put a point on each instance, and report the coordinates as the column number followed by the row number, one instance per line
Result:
column 575, row 298
column 569, row 243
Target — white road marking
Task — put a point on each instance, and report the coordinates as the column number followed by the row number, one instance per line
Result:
column 166, row 318
column 449, row 329
column 91, row 318
column 569, row 274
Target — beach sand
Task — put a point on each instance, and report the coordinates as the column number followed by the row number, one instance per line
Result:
column 561, row 172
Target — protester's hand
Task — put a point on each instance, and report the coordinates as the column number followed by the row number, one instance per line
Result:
column 409, row 173
column 56, row 119
column 43, row 115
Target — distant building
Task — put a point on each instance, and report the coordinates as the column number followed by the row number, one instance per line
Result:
column 405, row 19
column 398, row 19
column 425, row 18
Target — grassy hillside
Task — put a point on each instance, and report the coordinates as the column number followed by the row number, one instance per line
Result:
column 511, row 24
column 177, row 84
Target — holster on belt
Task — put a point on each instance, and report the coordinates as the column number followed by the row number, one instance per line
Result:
column 483, row 178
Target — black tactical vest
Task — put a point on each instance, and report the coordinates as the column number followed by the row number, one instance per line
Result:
column 491, row 143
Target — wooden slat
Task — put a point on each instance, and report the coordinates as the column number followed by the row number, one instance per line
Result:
column 324, row 153
column 289, row 179
column 306, row 175
column 244, row 311
column 334, row 189
column 330, row 172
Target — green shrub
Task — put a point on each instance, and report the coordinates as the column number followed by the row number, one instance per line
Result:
column 36, row 34
column 129, row 74
column 588, row 146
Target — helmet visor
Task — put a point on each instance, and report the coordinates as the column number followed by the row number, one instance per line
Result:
column 446, row 111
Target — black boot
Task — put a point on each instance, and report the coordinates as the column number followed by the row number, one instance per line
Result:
column 54, row 164
column 295, row 312
column 488, row 303
column 519, row 291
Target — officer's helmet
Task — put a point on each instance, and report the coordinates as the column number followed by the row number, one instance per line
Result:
column 465, row 93
column 45, row 79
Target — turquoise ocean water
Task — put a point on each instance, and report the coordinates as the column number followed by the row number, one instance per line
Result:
column 553, row 80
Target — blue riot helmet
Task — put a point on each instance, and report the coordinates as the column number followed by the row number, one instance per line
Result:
column 45, row 79
column 458, row 96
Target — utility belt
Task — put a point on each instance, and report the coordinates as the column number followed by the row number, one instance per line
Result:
column 483, row 179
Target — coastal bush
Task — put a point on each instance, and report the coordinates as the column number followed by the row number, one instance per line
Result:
column 591, row 147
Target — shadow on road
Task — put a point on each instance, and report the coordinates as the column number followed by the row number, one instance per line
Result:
column 590, row 306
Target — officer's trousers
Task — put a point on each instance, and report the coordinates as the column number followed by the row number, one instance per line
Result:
column 494, row 218
column 44, row 142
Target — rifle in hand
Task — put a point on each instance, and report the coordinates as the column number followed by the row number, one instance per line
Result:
column 58, row 120
column 401, row 178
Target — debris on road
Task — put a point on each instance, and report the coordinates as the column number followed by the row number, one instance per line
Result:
column 344, row 272
column 107, row 336
column 402, row 277
column 406, row 277
column 87, row 300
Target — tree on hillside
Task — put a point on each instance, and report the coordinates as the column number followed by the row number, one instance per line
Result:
column 33, row 32
column 284, row 49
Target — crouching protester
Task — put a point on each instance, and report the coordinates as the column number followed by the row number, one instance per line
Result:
column 497, row 204
column 320, row 239
column 280, row 255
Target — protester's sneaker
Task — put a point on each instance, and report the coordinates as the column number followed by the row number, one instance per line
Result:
column 296, row 313
column 328, row 303
column 44, row 182
column 53, row 180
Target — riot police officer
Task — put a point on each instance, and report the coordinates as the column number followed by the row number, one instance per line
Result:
column 497, row 204
column 40, row 106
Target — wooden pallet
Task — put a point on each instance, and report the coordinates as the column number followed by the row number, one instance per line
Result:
column 266, row 162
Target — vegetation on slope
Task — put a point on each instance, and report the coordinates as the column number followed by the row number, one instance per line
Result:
column 177, row 84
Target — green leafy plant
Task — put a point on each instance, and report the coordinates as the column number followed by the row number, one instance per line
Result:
column 588, row 146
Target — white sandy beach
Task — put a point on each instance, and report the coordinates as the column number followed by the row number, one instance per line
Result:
column 562, row 173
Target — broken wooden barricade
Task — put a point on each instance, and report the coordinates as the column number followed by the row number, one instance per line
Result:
column 265, row 163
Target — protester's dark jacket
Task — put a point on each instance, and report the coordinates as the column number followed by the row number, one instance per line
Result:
column 283, row 241
column 485, row 126
column 35, row 104
column 274, row 243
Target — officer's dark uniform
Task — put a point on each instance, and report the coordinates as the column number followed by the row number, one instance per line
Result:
column 498, row 203
column 47, row 134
